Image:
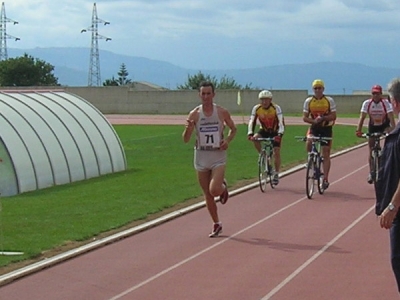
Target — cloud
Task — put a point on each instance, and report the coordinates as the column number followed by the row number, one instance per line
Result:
column 326, row 51
column 182, row 30
column 176, row 19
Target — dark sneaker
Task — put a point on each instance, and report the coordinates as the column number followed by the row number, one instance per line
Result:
column 275, row 179
column 370, row 179
column 325, row 184
column 225, row 194
column 217, row 229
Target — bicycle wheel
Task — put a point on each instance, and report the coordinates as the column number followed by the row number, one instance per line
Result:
column 319, row 175
column 310, row 177
column 270, row 170
column 262, row 171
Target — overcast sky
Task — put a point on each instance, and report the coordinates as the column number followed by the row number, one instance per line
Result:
column 218, row 34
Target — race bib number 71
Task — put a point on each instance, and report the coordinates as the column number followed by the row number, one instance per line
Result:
column 209, row 138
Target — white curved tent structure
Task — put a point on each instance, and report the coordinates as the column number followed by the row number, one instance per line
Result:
column 53, row 137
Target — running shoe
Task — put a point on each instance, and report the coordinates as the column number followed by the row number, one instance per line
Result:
column 275, row 179
column 217, row 229
column 325, row 184
column 370, row 179
column 225, row 194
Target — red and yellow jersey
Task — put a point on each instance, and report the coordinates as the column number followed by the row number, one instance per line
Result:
column 320, row 107
column 271, row 119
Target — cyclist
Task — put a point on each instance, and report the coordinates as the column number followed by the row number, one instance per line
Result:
column 270, row 117
column 319, row 110
column 381, row 119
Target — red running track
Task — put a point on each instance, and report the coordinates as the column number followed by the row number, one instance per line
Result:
column 277, row 245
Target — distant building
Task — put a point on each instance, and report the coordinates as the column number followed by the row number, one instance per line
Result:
column 147, row 86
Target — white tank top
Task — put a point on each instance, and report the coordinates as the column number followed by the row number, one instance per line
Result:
column 209, row 130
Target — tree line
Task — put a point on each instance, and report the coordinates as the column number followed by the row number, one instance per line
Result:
column 29, row 71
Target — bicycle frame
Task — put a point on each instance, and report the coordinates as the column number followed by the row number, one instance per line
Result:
column 314, row 173
column 375, row 153
column 266, row 163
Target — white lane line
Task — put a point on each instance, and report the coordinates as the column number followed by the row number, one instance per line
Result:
column 202, row 252
column 315, row 256
column 165, row 271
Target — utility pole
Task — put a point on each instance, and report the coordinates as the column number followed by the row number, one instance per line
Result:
column 94, row 78
column 3, row 33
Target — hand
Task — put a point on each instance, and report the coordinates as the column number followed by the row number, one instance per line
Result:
column 250, row 137
column 224, row 145
column 359, row 133
column 318, row 119
column 189, row 123
column 277, row 138
column 386, row 218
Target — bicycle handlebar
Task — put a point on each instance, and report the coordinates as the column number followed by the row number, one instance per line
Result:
column 263, row 139
column 313, row 138
column 374, row 134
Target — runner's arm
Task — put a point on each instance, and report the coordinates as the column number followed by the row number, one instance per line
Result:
column 232, row 127
column 189, row 127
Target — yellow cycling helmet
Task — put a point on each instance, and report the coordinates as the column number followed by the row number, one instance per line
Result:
column 318, row 82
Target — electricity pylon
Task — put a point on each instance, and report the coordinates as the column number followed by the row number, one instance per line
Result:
column 3, row 33
column 94, row 78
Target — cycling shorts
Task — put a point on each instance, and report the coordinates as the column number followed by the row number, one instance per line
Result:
column 269, row 134
column 323, row 132
column 380, row 128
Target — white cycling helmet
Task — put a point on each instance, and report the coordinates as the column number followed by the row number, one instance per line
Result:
column 265, row 94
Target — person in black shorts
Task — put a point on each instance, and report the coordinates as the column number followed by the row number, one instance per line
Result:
column 381, row 119
column 271, row 120
column 319, row 111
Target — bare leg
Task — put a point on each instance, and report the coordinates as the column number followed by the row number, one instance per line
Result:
column 371, row 145
column 308, row 145
column 211, row 182
column 277, row 157
column 216, row 183
column 326, row 153
column 204, row 180
column 257, row 144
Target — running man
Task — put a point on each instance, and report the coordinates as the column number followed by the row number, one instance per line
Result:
column 209, row 119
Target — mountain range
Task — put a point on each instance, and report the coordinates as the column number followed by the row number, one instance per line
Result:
column 71, row 67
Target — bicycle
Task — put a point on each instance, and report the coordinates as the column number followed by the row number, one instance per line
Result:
column 314, row 173
column 375, row 153
column 266, row 168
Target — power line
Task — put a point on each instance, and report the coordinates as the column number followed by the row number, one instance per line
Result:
column 94, row 78
column 3, row 33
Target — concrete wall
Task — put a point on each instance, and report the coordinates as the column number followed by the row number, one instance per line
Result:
column 130, row 100
column 125, row 100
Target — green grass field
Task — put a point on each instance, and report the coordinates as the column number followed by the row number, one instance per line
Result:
column 160, row 175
